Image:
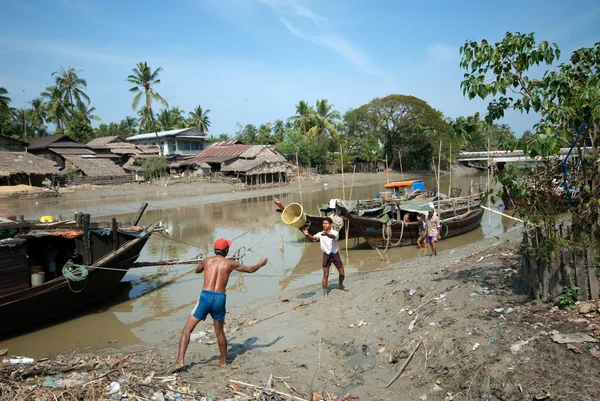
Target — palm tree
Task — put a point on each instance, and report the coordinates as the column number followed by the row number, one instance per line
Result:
column 4, row 104
column 85, row 113
column 130, row 124
column 70, row 86
column 325, row 120
column 56, row 111
column 166, row 120
column 304, row 117
column 37, row 114
column 144, row 80
column 278, row 131
column 146, row 120
column 199, row 119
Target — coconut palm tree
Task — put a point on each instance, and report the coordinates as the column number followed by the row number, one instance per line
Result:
column 4, row 104
column 37, row 114
column 199, row 119
column 325, row 120
column 85, row 113
column 130, row 124
column 278, row 131
column 303, row 118
column 144, row 80
column 55, row 109
column 70, row 86
column 166, row 120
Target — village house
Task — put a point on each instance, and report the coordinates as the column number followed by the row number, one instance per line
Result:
column 175, row 144
column 8, row 144
column 80, row 164
column 251, row 164
column 27, row 169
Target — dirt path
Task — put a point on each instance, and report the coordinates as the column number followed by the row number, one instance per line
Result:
column 478, row 338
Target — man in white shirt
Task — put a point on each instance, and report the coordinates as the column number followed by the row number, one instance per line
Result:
column 328, row 239
column 433, row 230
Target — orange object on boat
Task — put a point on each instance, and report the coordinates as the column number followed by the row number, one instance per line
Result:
column 398, row 184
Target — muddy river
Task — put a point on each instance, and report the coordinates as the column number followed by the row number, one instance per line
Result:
column 154, row 302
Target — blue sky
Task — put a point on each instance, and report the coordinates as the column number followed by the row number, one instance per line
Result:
column 251, row 61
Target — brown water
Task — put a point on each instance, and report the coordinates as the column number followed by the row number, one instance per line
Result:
column 159, row 299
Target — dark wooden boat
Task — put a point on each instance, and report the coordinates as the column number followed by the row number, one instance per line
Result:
column 458, row 216
column 23, row 305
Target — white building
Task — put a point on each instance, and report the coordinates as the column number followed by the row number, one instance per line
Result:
column 176, row 142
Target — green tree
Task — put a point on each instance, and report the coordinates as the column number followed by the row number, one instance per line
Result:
column 37, row 114
column 144, row 81
column 71, row 87
column 248, row 134
column 566, row 97
column 304, row 117
column 278, row 131
column 264, row 135
column 407, row 124
column 324, row 121
column 130, row 125
column 358, row 137
column 55, row 109
column 199, row 119
column 4, row 105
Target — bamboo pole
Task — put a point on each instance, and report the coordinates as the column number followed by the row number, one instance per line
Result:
column 502, row 214
column 400, row 157
column 450, row 171
column 342, row 168
column 438, row 180
column 488, row 187
column 387, row 174
column 298, row 167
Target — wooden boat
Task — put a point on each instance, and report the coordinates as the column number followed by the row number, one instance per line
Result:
column 457, row 215
column 22, row 257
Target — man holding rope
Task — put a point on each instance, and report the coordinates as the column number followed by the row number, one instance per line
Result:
column 217, row 270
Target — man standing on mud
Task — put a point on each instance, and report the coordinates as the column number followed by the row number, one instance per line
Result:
column 329, row 245
column 212, row 298
column 433, row 230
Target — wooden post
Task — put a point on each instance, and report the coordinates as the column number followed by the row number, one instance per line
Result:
column 87, row 254
column 387, row 174
column 438, row 179
column 450, row 171
column 352, row 185
column 343, row 186
column 567, row 266
column 115, row 233
column 581, row 274
column 400, row 158
column 591, row 268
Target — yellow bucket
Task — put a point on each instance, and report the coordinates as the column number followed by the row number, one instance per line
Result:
column 294, row 215
column 47, row 219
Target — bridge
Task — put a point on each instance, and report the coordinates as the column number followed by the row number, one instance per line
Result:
column 505, row 156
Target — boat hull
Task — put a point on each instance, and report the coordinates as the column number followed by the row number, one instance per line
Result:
column 58, row 298
column 377, row 233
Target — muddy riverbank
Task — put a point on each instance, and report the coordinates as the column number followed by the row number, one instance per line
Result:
column 477, row 336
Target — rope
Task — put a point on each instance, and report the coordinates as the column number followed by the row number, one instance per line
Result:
column 386, row 234
column 69, row 270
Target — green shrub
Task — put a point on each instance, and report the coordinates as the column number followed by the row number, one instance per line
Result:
column 153, row 167
column 568, row 297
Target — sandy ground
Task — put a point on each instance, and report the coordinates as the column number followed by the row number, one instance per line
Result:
column 477, row 337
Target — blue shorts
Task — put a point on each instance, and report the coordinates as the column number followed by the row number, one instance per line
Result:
column 210, row 302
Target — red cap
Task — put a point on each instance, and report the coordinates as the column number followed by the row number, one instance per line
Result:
column 222, row 244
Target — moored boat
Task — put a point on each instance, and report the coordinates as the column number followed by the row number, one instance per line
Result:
column 457, row 215
column 104, row 253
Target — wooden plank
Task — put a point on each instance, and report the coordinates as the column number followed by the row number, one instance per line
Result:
column 534, row 280
column 555, row 273
column 87, row 254
column 115, row 233
column 591, row 259
column 581, row 279
column 568, row 274
column 544, row 273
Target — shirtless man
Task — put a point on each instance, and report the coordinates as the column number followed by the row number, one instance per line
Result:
column 212, row 298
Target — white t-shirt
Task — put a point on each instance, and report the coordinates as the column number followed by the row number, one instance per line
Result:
column 328, row 245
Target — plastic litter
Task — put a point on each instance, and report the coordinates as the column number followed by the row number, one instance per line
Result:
column 573, row 338
column 17, row 360
column 412, row 292
column 113, row 388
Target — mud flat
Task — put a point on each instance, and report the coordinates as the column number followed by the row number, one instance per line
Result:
column 476, row 334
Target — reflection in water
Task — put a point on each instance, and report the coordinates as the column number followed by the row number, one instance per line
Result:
column 161, row 297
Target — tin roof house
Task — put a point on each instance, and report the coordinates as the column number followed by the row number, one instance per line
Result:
column 175, row 144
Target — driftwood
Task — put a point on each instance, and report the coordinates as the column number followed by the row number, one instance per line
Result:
column 267, row 389
column 407, row 361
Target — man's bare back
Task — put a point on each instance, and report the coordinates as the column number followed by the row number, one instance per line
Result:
column 217, row 270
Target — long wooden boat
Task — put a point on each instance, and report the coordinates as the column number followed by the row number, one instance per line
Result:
column 25, row 304
column 457, row 215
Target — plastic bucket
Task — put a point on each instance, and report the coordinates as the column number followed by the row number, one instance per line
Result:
column 38, row 279
column 294, row 215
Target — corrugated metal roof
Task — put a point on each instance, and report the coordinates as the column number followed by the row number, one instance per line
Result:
column 163, row 134
column 219, row 154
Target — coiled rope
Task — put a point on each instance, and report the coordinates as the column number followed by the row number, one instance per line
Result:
column 386, row 234
column 70, row 271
